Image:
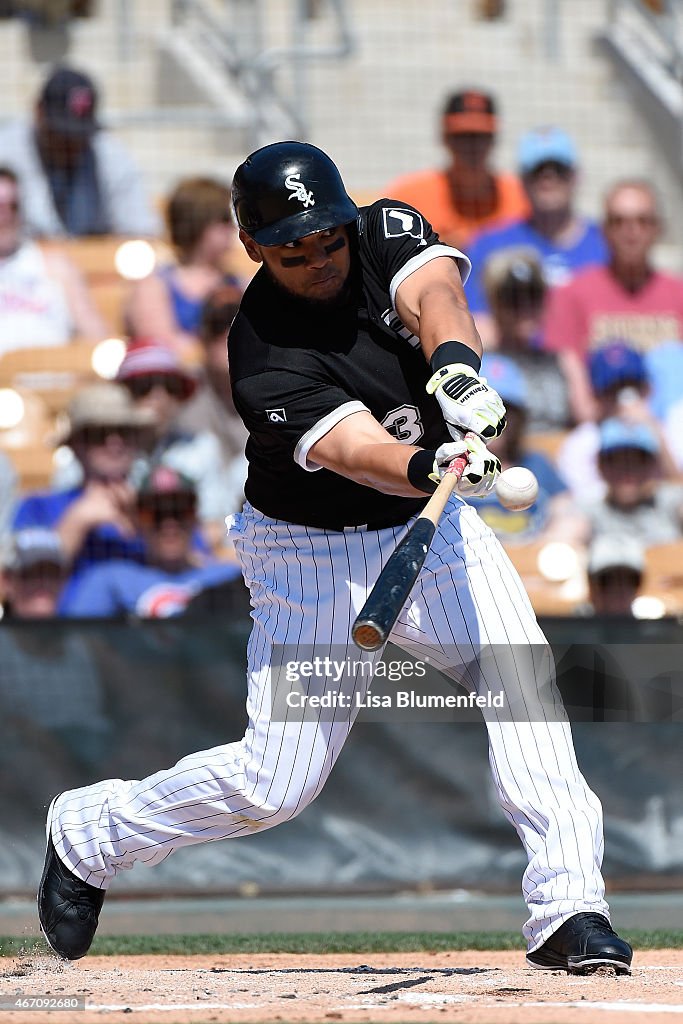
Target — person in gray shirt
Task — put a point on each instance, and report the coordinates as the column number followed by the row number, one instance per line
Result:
column 76, row 178
column 637, row 503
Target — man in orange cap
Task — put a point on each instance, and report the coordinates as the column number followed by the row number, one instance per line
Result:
column 466, row 196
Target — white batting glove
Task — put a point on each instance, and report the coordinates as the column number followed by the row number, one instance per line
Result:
column 479, row 476
column 467, row 402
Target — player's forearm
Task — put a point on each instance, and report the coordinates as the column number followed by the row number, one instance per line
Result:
column 449, row 323
column 383, row 467
column 431, row 303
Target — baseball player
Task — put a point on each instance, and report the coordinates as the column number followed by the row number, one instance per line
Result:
column 355, row 366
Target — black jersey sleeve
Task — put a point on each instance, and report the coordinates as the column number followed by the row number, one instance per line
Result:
column 286, row 412
column 395, row 240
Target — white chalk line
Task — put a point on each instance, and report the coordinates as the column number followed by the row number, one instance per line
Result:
column 438, row 999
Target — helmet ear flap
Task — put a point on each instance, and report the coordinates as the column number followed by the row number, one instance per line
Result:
column 288, row 190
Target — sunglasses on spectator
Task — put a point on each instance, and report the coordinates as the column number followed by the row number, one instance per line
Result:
column 560, row 169
column 618, row 577
column 142, row 386
column 41, row 572
column 98, row 435
column 180, row 507
column 643, row 220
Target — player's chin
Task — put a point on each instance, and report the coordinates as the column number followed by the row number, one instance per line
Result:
column 327, row 292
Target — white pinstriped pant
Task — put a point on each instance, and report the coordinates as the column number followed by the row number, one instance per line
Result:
column 307, row 586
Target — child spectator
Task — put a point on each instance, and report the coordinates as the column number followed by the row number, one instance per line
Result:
column 553, row 515
column 564, row 241
column 95, row 519
column 34, row 571
column 616, row 566
column 636, row 502
column 467, row 195
column 76, row 177
column 168, row 304
column 619, row 379
column 516, row 291
column 44, row 299
column 166, row 511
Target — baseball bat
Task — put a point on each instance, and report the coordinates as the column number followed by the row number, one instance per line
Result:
column 379, row 613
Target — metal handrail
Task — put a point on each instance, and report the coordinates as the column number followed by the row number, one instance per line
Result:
column 665, row 30
column 254, row 69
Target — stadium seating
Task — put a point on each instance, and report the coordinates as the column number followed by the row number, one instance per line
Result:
column 664, row 575
column 54, row 373
column 29, row 444
column 547, row 596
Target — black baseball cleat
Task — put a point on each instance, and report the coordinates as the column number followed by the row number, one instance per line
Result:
column 68, row 909
column 581, row 945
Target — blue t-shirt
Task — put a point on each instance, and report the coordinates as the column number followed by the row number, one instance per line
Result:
column 119, row 588
column 102, row 544
column 46, row 508
column 525, row 526
column 559, row 264
column 187, row 310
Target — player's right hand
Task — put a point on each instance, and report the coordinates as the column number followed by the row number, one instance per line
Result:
column 481, row 472
column 467, row 402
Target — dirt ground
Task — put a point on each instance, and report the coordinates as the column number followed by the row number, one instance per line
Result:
column 493, row 987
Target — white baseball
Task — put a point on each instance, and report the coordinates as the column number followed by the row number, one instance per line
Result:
column 517, row 488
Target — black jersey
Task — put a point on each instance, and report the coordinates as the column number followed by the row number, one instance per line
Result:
column 297, row 371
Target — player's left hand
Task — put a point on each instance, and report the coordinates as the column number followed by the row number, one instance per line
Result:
column 467, row 402
column 482, row 470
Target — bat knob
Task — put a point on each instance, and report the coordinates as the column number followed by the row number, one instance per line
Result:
column 367, row 635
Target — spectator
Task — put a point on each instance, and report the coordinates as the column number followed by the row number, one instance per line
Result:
column 168, row 304
column 620, row 382
column 616, row 566
column 564, row 241
column 50, row 678
column 34, row 572
column 628, row 298
column 166, row 510
column 44, row 299
column 76, row 177
column 467, row 195
column 211, row 408
column 516, row 291
column 8, row 491
column 95, row 519
column 636, row 501
column 553, row 515
column 159, row 383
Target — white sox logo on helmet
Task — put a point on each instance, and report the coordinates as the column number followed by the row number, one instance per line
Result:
column 298, row 190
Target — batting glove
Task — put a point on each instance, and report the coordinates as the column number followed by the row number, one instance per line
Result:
column 467, row 402
column 481, row 472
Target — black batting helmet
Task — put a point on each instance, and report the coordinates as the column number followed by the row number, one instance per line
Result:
column 287, row 190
